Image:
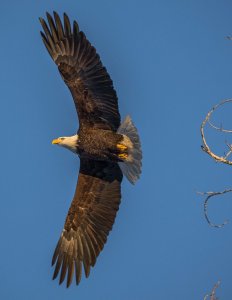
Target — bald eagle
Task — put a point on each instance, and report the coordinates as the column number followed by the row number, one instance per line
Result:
column 106, row 149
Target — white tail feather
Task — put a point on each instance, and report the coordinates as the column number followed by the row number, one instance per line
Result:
column 131, row 167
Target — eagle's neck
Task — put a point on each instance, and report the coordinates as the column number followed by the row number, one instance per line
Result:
column 70, row 142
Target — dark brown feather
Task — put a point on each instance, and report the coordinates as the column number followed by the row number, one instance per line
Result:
column 47, row 34
column 58, row 264
column 70, row 271
column 52, row 28
column 59, row 26
column 56, row 252
column 64, row 268
column 67, row 26
column 47, row 45
column 78, row 268
column 81, row 68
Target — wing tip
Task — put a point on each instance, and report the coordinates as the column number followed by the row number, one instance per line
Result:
column 48, row 14
column 76, row 29
column 41, row 20
column 54, row 276
column 55, row 13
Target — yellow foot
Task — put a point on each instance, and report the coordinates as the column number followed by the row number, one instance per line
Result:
column 121, row 147
column 123, row 156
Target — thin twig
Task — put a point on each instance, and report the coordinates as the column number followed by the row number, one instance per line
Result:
column 229, row 152
column 221, row 129
column 209, row 195
column 205, row 147
column 213, row 292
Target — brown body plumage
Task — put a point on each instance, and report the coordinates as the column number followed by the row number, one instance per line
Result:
column 104, row 146
column 99, row 144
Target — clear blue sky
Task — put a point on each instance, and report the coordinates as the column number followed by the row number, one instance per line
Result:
column 170, row 62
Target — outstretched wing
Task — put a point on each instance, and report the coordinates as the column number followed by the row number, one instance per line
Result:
column 89, row 220
column 81, row 68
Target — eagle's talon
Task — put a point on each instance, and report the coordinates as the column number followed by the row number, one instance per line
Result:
column 121, row 147
column 123, row 156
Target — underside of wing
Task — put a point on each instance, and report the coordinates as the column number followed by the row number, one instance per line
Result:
column 81, row 68
column 89, row 220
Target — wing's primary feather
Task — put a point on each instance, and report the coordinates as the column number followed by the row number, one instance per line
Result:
column 89, row 220
column 81, row 68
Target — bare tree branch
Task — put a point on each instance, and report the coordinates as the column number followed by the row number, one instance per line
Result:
column 209, row 195
column 213, row 292
column 221, row 129
column 229, row 152
column 205, row 147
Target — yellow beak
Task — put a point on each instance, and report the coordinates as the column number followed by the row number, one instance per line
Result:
column 56, row 141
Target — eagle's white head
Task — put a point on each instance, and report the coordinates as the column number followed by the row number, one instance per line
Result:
column 69, row 142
